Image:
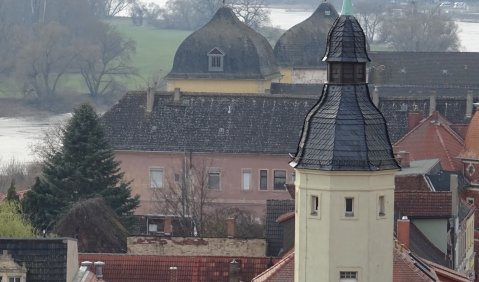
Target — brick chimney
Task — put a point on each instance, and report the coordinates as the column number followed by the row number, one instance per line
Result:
column 230, row 227
column 432, row 102
column 403, row 227
column 177, row 95
column 404, row 159
column 168, row 226
column 413, row 119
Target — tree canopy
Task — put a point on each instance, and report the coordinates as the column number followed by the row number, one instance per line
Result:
column 83, row 167
column 12, row 222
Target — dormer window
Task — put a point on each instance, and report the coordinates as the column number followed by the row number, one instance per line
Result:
column 215, row 59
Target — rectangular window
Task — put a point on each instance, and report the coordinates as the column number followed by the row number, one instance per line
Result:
column 263, row 179
column 214, row 179
column 156, row 178
column 348, row 276
column 13, row 279
column 246, row 179
column 348, row 73
column 359, row 72
column 279, row 179
column 349, row 207
column 314, row 205
column 382, row 207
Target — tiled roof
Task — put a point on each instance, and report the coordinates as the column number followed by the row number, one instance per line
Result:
column 407, row 268
column 433, row 138
column 40, row 254
column 282, row 271
column 345, row 131
column 346, row 42
column 273, row 230
column 441, row 181
column 207, row 123
column 304, row 44
column 411, row 183
column 247, row 54
column 395, row 109
column 425, row 68
column 127, row 268
column 447, row 274
column 471, row 145
column 424, row 204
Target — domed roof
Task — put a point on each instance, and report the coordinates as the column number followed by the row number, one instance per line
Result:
column 304, row 44
column 245, row 53
column 346, row 42
column 471, row 144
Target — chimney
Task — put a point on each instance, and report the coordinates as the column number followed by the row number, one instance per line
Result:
column 469, row 103
column 454, row 184
column 99, row 269
column 403, row 227
column 432, row 102
column 413, row 119
column 376, row 96
column 235, row 271
column 404, row 159
column 168, row 227
column 177, row 95
column 150, row 99
column 87, row 264
column 230, row 227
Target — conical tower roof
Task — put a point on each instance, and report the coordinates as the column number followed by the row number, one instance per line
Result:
column 344, row 131
column 247, row 54
column 304, row 44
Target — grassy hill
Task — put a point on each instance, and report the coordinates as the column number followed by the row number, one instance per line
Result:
column 155, row 50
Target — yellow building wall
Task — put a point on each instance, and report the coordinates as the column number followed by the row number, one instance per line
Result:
column 287, row 74
column 330, row 242
column 221, row 86
column 470, row 245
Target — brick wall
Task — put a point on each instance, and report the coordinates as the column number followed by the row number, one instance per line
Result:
column 192, row 246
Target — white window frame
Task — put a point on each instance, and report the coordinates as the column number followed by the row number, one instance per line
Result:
column 246, row 186
column 348, row 276
column 151, row 172
column 214, row 57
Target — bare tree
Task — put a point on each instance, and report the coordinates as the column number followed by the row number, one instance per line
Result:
column 425, row 31
column 103, row 58
column 43, row 61
column 110, row 8
column 247, row 225
column 251, row 12
column 187, row 194
column 370, row 14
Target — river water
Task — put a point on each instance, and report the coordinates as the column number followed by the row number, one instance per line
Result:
column 18, row 134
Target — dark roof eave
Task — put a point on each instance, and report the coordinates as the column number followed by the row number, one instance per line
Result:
column 222, row 76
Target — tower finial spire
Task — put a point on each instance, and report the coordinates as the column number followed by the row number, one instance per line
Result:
column 347, row 9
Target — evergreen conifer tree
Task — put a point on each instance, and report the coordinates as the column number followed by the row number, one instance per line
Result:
column 83, row 168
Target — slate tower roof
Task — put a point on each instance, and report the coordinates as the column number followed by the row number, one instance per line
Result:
column 246, row 53
column 304, row 44
column 344, row 130
column 471, row 144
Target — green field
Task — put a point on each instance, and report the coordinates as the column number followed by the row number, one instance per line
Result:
column 155, row 49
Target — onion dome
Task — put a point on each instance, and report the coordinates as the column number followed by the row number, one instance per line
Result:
column 344, row 131
column 471, row 144
column 304, row 44
column 225, row 48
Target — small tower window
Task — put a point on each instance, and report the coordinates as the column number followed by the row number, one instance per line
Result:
column 349, row 207
column 215, row 59
column 348, row 276
column 314, row 204
column 382, row 206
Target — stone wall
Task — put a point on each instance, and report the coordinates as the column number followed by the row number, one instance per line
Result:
column 192, row 246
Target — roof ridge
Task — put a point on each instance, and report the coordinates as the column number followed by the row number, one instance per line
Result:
column 273, row 270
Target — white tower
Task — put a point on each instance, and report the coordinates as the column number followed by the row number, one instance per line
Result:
column 344, row 172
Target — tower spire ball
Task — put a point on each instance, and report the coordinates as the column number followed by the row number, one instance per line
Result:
column 347, row 9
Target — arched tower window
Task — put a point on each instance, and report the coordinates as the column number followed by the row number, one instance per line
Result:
column 215, row 59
